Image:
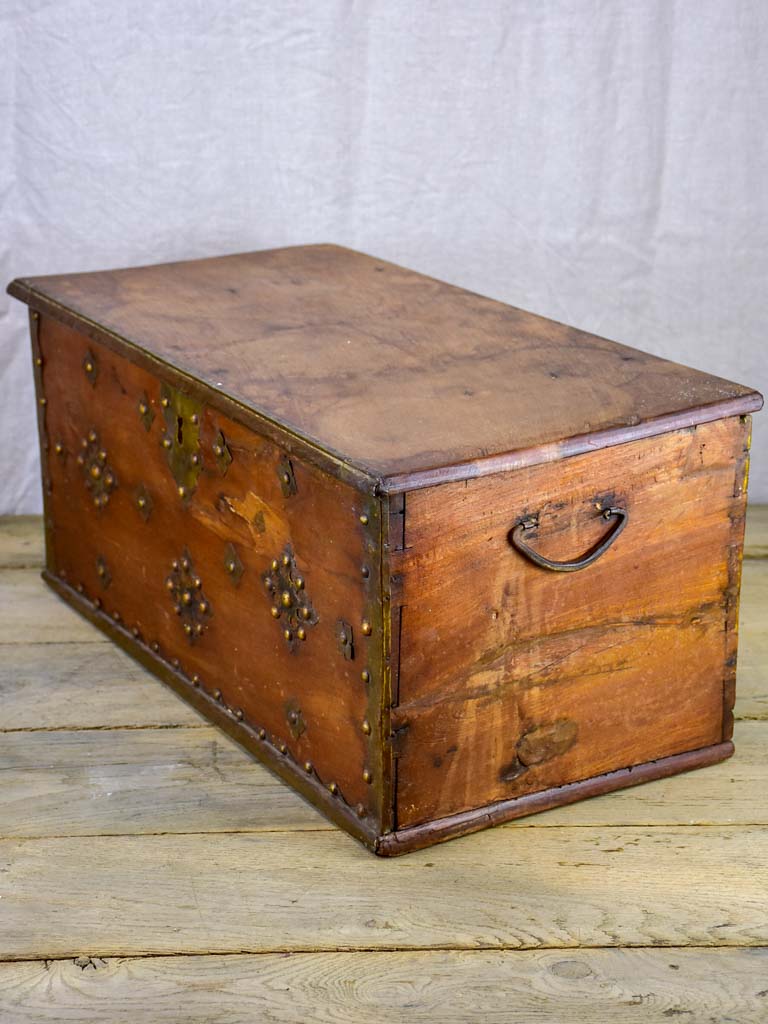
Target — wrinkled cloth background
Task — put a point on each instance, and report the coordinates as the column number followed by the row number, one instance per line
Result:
column 602, row 163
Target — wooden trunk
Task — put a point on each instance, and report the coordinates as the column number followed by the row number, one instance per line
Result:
column 328, row 501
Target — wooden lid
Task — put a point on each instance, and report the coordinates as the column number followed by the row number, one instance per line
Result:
column 406, row 378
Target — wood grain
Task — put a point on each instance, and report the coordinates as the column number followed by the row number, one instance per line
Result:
column 129, row 895
column 394, row 371
column 515, row 679
column 647, row 986
column 148, row 781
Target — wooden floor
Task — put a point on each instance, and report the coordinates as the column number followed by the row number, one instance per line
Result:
column 151, row 872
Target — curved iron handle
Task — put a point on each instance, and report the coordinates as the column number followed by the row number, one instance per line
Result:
column 516, row 539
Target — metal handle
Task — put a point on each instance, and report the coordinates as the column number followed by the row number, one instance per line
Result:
column 516, row 538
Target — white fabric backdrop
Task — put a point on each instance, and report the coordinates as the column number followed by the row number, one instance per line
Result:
column 603, row 163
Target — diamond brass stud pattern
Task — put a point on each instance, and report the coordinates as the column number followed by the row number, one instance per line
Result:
column 185, row 589
column 290, row 603
column 99, row 477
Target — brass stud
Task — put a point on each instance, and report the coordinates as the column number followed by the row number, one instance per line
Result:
column 299, row 583
column 97, row 602
column 116, row 616
column 275, row 611
column 175, row 565
column 195, row 459
column 365, row 571
column 364, row 519
column 35, row 316
column 109, row 479
column 301, row 633
column 283, row 749
column 92, row 436
column 230, row 567
column 194, row 418
column 365, row 675
column 361, row 810
column 58, row 448
column 143, row 408
column 218, row 450
column 80, row 588
column 102, row 456
column 366, row 627
column 366, row 727
column 199, row 629
column 38, row 361
column 43, row 401
column 187, row 629
column 305, row 613
column 286, row 478
column 175, row 663
column 101, row 569
column 195, row 680
column 308, row 767
column 185, row 564
column 169, row 584
column 182, row 491
column 165, row 402
column 262, row 734
column 155, row 646
column 202, row 607
column 217, row 694
column 367, row 776
column 285, row 599
column 293, row 717
column 167, row 442
column 135, row 631
column 88, row 366
column 141, row 501
column 286, row 560
column 95, row 472
column 333, row 788
column 288, row 634
column 239, row 714
column 186, row 597
column 177, row 609
column 197, row 583
column 275, row 565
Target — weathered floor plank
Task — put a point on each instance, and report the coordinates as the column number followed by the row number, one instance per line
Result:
column 646, row 986
column 22, row 545
column 83, row 686
column 33, row 614
column 294, row 891
column 752, row 665
column 756, row 533
column 148, row 781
